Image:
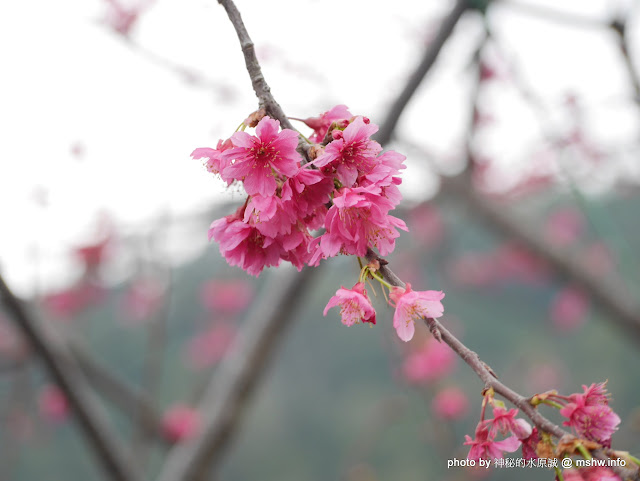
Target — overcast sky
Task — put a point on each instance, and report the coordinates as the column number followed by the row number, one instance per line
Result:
column 93, row 123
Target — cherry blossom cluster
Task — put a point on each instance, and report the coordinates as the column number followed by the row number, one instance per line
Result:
column 339, row 202
column 348, row 189
column 587, row 413
column 410, row 305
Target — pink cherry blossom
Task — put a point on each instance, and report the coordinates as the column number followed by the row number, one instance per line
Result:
column 256, row 160
column 597, row 473
column 594, row 394
column 296, row 246
column 571, row 475
column 358, row 220
column 243, row 245
column 564, row 226
column 590, row 416
column 355, row 305
column 122, row 17
column 310, row 191
column 143, row 299
column 484, row 446
column 70, row 302
column 514, row 261
column 450, row 403
column 411, row 305
column 229, row 296
column 321, row 124
column 505, row 422
column 427, row 225
column 353, row 154
column 54, row 406
column 92, row 255
column 209, row 347
column 569, row 309
column 181, row 423
column 271, row 215
column 530, row 444
column 434, row 361
column 216, row 161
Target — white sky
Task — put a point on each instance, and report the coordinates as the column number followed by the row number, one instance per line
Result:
column 67, row 79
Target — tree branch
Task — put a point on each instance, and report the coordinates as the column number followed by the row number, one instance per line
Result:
column 91, row 419
column 129, row 399
column 233, row 384
column 429, row 57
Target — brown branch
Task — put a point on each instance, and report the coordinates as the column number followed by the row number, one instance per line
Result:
column 429, row 58
column 233, row 384
column 94, row 424
column 620, row 28
column 129, row 399
column 260, row 86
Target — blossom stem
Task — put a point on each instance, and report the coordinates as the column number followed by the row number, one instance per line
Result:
column 585, row 452
column 634, row 459
column 380, row 279
column 559, row 474
column 552, row 403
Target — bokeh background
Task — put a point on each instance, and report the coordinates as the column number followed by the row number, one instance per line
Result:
column 532, row 107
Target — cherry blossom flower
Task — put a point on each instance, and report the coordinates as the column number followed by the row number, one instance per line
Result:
column 54, row 406
column 93, row 255
column 181, row 423
column 228, row 296
column 505, row 421
column 484, row 446
column 411, row 305
column 321, row 124
column 450, row 403
column 310, row 191
column 434, row 361
column 69, row 303
column 597, row 473
column 243, row 245
column 256, row 160
column 569, row 309
column 355, row 305
column 358, row 220
column 427, row 225
column 216, row 161
column 209, row 347
column 590, row 416
column 353, row 154
column 529, row 445
column 143, row 299
column 564, row 226
column 271, row 215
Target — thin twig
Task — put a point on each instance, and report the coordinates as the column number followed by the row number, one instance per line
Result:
column 429, row 57
column 70, row 381
column 129, row 399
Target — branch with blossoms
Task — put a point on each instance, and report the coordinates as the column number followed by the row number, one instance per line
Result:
column 346, row 186
column 349, row 190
